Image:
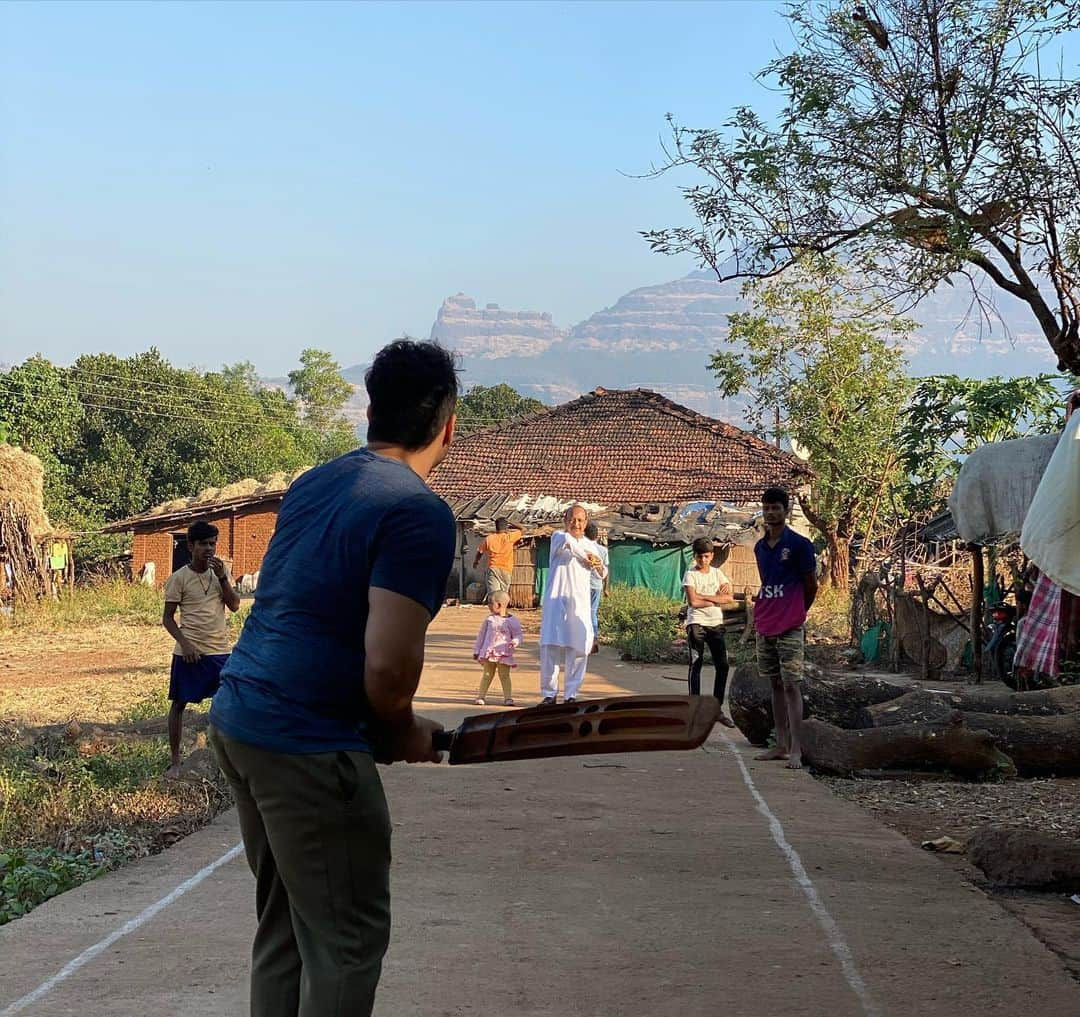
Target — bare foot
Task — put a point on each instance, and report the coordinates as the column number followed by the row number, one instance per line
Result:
column 726, row 720
column 794, row 761
column 772, row 754
column 172, row 772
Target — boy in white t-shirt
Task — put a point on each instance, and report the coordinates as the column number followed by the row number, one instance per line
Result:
column 708, row 592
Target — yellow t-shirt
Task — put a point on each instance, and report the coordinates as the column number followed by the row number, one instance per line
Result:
column 500, row 549
column 202, row 609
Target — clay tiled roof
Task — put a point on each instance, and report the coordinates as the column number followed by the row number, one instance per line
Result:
column 612, row 447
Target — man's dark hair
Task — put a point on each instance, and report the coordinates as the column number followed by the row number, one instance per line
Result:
column 776, row 496
column 592, row 531
column 703, row 545
column 201, row 530
column 413, row 389
column 501, row 524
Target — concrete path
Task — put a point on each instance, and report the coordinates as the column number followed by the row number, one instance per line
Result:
column 652, row 885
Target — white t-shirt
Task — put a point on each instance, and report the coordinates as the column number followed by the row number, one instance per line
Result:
column 202, row 609
column 706, row 584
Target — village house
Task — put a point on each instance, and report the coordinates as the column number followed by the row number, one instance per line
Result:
column 245, row 514
column 654, row 475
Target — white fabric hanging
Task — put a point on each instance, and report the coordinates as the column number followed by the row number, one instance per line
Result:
column 1051, row 533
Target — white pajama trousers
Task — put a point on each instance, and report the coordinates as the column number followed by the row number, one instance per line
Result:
column 561, row 658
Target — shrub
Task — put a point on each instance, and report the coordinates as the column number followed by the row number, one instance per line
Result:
column 641, row 624
column 27, row 878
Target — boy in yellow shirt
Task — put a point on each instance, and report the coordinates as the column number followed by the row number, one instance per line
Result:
column 201, row 590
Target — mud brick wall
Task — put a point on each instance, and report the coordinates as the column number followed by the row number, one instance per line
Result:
column 156, row 545
column 252, row 530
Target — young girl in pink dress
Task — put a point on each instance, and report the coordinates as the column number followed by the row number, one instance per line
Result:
column 494, row 648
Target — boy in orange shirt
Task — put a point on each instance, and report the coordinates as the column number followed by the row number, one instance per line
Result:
column 499, row 547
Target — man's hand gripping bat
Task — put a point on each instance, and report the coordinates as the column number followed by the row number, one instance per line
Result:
column 585, row 727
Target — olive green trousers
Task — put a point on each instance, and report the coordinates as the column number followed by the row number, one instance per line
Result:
column 316, row 832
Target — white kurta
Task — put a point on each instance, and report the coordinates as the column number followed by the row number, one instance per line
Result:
column 567, row 620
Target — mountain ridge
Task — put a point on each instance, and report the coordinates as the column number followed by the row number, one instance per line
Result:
column 660, row 336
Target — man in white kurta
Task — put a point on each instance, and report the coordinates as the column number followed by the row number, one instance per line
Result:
column 566, row 631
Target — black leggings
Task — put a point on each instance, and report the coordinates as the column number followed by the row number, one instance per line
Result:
column 697, row 638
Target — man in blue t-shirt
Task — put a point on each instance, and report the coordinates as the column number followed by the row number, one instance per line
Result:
column 785, row 561
column 322, row 681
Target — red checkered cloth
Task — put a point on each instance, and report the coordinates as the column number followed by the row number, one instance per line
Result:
column 1037, row 634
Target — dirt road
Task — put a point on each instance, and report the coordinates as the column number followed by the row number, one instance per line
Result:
column 653, row 885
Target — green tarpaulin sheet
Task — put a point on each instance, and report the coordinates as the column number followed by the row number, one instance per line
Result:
column 633, row 563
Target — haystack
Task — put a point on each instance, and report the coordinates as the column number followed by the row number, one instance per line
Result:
column 22, row 481
column 23, row 523
column 276, row 482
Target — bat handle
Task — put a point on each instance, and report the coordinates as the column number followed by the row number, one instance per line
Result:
column 441, row 741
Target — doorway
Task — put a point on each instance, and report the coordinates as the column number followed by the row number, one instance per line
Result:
column 181, row 556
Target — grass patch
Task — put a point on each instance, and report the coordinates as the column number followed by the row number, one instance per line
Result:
column 70, row 810
column 114, row 600
column 151, row 705
column 642, row 625
column 236, row 619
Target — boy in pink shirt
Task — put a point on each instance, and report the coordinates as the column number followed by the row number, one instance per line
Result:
column 785, row 561
column 494, row 647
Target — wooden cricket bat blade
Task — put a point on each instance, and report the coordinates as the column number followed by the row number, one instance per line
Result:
column 585, row 727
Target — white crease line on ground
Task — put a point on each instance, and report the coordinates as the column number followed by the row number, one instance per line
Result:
column 129, row 926
column 835, row 937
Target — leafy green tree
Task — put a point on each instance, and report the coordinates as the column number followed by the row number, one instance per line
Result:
column 949, row 417
column 322, row 389
column 117, row 435
column 42, row 413
column 242, row 376
column 823, row 371
column 919, row 141
column 484, row 405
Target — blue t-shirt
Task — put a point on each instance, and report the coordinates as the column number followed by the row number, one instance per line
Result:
column 781, row 604
column 295, row 680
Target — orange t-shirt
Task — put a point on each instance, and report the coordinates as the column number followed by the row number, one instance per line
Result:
column 500, row 548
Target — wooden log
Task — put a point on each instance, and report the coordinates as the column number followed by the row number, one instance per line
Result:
column 837, row 699
column 1013, row 856
column 951, row 747
column 1039, row 746
column 975, row 625
column 924, row 704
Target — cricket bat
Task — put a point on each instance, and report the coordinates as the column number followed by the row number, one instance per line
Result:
column 582, row 728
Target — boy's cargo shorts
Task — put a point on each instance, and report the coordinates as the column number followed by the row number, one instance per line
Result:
column 780, row 658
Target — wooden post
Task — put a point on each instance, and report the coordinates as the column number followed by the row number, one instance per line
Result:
column 461, row 570
column 976, row 628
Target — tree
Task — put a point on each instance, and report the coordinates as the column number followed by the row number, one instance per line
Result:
column 117, row 435
column 920, row 141
column 319, row 384
column 484, row 405
column 949, row 417
column 823, row 371
column 42, row 413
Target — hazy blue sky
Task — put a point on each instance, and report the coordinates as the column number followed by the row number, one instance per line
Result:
column 238, row 181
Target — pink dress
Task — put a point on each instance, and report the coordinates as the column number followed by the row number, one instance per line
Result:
column 497, row 638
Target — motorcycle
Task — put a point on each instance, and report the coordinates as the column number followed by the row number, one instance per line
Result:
column 1001, row 647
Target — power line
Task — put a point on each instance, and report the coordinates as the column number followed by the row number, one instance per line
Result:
column 132, row 403
column 199, row 400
